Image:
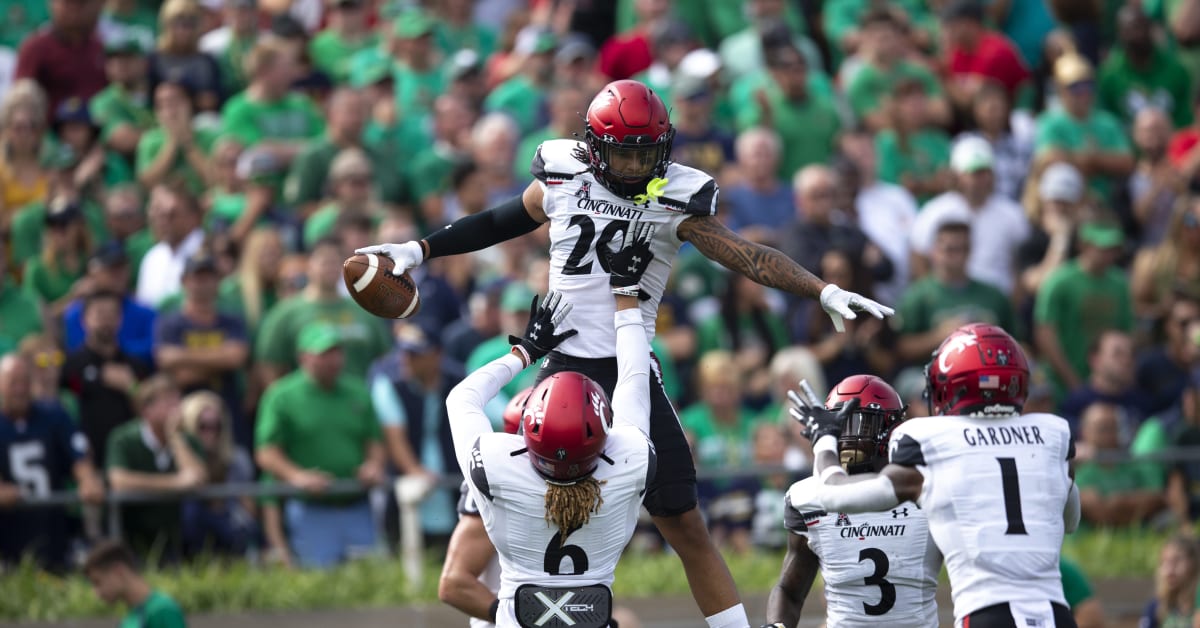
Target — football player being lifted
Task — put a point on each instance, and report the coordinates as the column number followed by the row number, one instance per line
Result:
column 994, row 483
column 561, row 500
column 590, row 191
column 878, row 567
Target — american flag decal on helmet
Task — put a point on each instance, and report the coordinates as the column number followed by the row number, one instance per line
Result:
column 989, row 382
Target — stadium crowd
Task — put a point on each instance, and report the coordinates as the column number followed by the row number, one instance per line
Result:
column 180, row 182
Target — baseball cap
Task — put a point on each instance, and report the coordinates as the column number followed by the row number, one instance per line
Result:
column 317, row 338
column 417, row 337
column 1101, row 235
column 200, row 262
column 516, row 297
column 463, row 63
column 61, row 211
column 972, row 154
column 534, row 40
column 1072, row 68
column 963, row 9
column 109, row 255
column 574, row 48
column 72, row 110
column 689, row 88
column 700, row 63
column 412, row 24
column 1061, row 182
column 123, row 43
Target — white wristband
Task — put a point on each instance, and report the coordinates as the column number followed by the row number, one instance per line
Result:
column 831, row 471
column 826, row 443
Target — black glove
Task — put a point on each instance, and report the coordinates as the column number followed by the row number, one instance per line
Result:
column 817, row 420
column 539, row 338
column 626, row 266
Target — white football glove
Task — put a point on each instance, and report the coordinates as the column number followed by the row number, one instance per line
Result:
column 839, row 304
column 405, row 256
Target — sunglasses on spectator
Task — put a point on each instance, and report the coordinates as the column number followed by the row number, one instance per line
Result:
column 47, row 359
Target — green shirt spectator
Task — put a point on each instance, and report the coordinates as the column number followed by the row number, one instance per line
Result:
column 712, row 333
column 158, row 611
column 841, row 19
column 1075, row 585
column 29, row 224
column 231, row 60
column 47, row 283
column 114, row 108
column 21, row 18
column 461, row 32
column 514, row 305
column 20, row 313
column 719, row 444
column 520, row 98
column 252, row 120
column 364, row 337
column 929, row 303
column 156, row 140
column 1096, row 131
column 346, row 34
column 921, row 156
column 1161, row 81
column 870, row 86
column 415, row 72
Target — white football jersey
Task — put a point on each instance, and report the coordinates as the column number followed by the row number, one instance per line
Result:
column 879, row 568
column 491, row 574
column 585, row 217
column 994, row 492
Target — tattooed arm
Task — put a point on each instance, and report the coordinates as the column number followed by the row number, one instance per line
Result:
column 762, row 264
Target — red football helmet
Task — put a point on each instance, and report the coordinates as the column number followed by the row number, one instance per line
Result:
column 566, row 423
column 864, row 440
column 978, row 369
column 628, row 135
column 513, row 411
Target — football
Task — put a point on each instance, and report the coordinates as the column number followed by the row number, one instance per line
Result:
column 377, row 290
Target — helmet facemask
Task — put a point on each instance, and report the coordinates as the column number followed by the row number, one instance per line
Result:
column 862, row 446
column 625, row 168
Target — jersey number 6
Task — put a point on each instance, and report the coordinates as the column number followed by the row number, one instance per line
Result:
column 587, row 231
column 556, row 551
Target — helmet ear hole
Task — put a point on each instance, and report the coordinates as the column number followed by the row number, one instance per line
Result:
column 588, row 427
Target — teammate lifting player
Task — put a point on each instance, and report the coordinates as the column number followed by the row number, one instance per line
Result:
column 994, row 483
column 589, row 192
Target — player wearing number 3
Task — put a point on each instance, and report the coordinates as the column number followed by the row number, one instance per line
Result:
column 995, row 484
column 560, row 501
column 879, row 567
column 589, row 192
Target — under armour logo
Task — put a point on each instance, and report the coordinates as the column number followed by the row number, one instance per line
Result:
column 554, row 609
column 536, row 328
column 842, row 520
column 900, row 512
column 561, row 454
column 634, row 263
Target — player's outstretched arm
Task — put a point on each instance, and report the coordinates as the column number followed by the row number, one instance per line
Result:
column 786, row 599
column 631, row 396
column 510, row 219
column 464, row 404
column 773, row 269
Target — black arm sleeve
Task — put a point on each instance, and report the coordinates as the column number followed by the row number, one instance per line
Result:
column 472, row 233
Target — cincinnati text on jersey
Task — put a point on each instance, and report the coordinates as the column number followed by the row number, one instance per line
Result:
column 600, row 206
column 1003, row 435
column 865, row 530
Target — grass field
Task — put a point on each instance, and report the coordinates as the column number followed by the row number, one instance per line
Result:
column 26, row 594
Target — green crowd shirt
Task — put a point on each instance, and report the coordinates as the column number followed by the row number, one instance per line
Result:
column 309, row 175
column 870, row 87
column 29, row 224
column 806, row 127
column 331, row 54
column 127, row 449
column 319, row 428
column 1075, row 585
column 152, row 144
column 46, row 284
column 1124, row 90
column 158, row 611
column 21, row 315
column 520, row 99
column 293, row 117
column 928, row 151
column 927, row 302
column 1100, row 132
column 364, row 337
column 113, row 108
column 719, row 445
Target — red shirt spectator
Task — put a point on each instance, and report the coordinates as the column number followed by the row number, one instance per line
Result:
column 628, row 53
column 66, row 57
column 973, row 52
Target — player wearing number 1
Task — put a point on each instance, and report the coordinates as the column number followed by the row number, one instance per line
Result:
column 879, row 567
column 994, row 483
column 589, row 191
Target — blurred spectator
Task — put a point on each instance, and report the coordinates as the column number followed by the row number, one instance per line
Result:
column 748, row 327
column 575, row 65
column 363, row 337
column 1010, row 134
column 760, row 202
column 100, row 375
column 468, row 194
column 346, row 33
column 23, row 125
column 121, row 110
column 126, row 222
column 416, row 64
column 1174, row 263
column 1055, row 209
column 266, row 113
column 742, row 52
column 1156, row 184
column 1113, row 494
column 202, row 348
column 253, row 288
column 178, row 57
column 1080, row 133
column 65, row 56
column 112, row 569
column 998, row 224
column 670, row 41
column 788, row 367
column 154, row 454
column 429, row 170
column 820, row 226
column 719, row 425
column 481, row 323
column 1182, row 149
column 886, row 61
column 440, row 304
column 22, row 20
column 881, row 209
column 1078, row 302
column 41, row 452
column 947, row 298
column 410, row 402
column 1177, row 427
column 842, row 23
column 1175, row 579
column 1163, row 372
column 867, row 345
column 108, row 271
column 46, row 359
column 465, row 79
column 628, row 53
column 222, row 525
column 350, row 178
column 128, row 19
column 514, row 315
column 770, row 450
column 459, row 28
column 494, row 139
column 806, row 119
column 52, row 279
column 911, row 151
column 175, row 222
column 29, row 223
column 1085, row 605
column 974, row 54
column 94, row 164
column 315, row 426
column 176, row 147
column 1138, row 73
column 308, row 180
column 18, row 310
column 699, row 142
column 567, row 104
column 1112, row 381
column 523, row 95
column 232, row 41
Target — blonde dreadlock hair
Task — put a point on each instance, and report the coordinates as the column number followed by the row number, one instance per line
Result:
column 570, row 506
